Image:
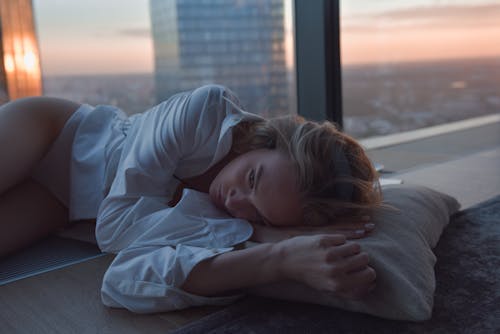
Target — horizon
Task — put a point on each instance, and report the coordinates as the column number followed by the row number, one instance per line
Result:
column 74, row 38
column 344, row 66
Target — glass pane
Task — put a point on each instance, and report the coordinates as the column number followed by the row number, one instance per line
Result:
column 409, row 65
column 19, row 57
column 136, row 53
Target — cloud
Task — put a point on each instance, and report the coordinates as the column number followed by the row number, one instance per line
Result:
column 426, row 17
column 444, row 12
column 135, row 32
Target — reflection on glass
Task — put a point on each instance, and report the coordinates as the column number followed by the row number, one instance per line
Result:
column 21, row 68
column 408, row 65
column 238, row 43
column 136, row 53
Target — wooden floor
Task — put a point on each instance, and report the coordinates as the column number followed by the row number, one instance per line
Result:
column 67, row 300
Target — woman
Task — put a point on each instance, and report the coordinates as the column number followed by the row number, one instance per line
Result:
column 174, row 190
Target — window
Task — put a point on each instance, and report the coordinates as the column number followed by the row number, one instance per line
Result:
column 19, row 57
column 97, row 52
column 136, row 53
column 408, row 65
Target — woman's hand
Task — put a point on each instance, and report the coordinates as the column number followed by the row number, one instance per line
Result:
column 355, row 228
column 327, row 263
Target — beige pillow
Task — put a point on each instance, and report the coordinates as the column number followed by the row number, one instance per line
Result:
column 400, row 251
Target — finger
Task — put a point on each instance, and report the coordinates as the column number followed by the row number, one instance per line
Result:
column 357, row 234
column 369, row 227
column 343, row 251
column 353, row 284
column 329, row 240
column 355, row 263
column 360, row 279
column 349, row 226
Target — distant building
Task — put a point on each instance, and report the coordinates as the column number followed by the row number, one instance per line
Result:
column 238, row 43
column 20, row 73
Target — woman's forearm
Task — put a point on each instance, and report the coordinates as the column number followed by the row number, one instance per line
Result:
column 232, row 271
column 323, row 262
column 352, row 230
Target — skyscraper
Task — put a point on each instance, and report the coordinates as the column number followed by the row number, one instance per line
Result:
column 20, row 73
column 237, row 43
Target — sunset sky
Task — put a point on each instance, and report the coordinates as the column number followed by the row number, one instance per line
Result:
column 419, row 30
column 113, row 36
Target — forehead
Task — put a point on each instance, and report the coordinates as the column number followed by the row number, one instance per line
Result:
column 278, row 198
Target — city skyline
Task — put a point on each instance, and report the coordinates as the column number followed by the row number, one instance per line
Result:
column 240, row 45
column 76, row 38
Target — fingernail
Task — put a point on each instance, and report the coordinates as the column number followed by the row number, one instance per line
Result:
column 360, row 232
column 370, row 226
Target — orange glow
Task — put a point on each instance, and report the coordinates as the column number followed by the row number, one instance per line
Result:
column 23, row 59
column 402, row 31
column 289, row 39
column 419, row 31
column 20, row 51
column 30, row 61
column 413, row 45
column 9, row 63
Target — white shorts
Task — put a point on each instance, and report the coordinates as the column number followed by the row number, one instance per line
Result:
column 53, row 171
column 74, row 169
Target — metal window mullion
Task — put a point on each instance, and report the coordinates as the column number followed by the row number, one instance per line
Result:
column 317, row 59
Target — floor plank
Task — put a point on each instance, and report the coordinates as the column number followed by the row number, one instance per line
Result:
column 67, row 301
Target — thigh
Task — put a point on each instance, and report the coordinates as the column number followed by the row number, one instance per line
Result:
column 28, row 212
column 28, row 127
column 48, row 112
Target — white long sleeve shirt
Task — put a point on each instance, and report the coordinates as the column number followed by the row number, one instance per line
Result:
column 157, row 246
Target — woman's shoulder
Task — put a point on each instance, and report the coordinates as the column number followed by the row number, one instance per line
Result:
column 203, row 111
column 214, row 100
column 208, row 104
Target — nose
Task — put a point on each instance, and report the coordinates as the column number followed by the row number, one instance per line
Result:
column 237, row 203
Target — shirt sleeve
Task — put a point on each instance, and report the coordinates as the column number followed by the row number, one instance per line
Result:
column 153, row 261
column 147, row 279
column 175, row 130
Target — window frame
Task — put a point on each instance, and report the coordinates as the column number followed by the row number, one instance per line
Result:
column 317, row 60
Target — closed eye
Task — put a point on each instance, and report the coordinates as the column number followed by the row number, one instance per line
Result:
column 251, row 178
column 254, row 181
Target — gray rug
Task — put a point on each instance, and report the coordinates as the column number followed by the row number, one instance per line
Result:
column 48, row 254
column 467, row 298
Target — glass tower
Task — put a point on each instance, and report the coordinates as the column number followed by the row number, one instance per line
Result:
column 237, row 43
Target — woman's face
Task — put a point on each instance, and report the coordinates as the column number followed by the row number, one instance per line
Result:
column 259, row 186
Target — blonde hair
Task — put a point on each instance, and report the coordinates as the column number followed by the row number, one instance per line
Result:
column 334, row 174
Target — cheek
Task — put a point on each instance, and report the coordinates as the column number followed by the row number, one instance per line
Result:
column 231, row 173
column 223, row 176
column 223, row 179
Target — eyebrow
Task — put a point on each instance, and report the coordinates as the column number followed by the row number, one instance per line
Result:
column 260, row 170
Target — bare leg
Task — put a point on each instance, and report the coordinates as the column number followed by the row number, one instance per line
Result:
column 28, row 211
column 27, row 129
